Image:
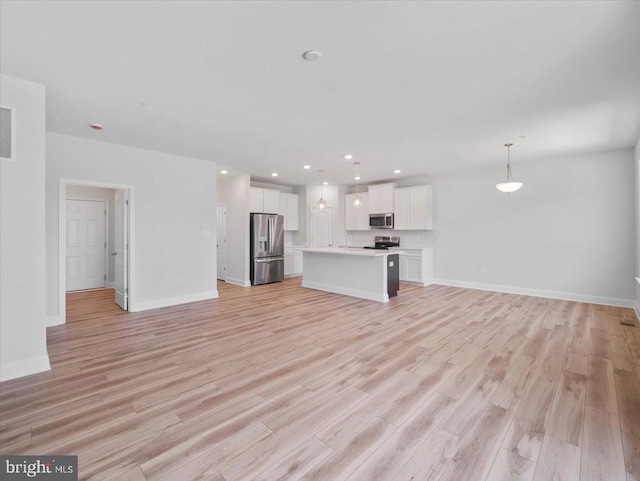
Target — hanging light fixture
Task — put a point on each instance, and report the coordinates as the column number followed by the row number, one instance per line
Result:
column 357, row 199
column 322, row 204
column 509, row 185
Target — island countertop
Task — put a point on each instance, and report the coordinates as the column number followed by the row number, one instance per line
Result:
column 351, row 251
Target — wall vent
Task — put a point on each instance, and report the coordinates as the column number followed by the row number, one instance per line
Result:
column 7, row 133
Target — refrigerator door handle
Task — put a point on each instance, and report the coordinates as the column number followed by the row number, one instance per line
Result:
column 271, row 234
column 269, row 259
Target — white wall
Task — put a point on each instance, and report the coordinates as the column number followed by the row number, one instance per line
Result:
column 569, row 230
column 174, row 201
column 81, row 192
column 23, row 344
column 234, row 193
column 637, row 177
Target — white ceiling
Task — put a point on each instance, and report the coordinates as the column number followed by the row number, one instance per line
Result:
column 420, row 86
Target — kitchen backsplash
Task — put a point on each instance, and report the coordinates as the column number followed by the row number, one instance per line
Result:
column 288, row 238
column 408, row 238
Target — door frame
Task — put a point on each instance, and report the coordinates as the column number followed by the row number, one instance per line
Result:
column 106, row 237
column 62, row 240
column 222, row 204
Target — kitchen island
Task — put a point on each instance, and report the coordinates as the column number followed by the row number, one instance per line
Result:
column 353, row 272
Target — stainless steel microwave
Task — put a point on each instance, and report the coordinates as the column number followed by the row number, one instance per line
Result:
column 380, row 221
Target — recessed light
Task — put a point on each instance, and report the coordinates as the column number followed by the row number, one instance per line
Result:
column 325, row 183
column 397, row 171
column 356, row 178
column 348, row 157
column 224, row 172
column 311, row 55
column 274, row 174
column 307, row 167
column 95, row 126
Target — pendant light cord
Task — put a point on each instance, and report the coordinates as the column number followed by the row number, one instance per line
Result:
column 509, row 177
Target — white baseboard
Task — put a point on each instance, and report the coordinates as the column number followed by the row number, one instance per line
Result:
column 346, row 291
column 637, row 303
column 24, row 368
column 52, row 321
column 238, row 282
column 565, row 296
column 174, row 301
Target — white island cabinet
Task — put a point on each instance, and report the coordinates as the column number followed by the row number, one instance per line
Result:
column 353, row 272
column 416, row 265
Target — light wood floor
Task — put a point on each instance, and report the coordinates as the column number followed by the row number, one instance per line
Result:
column 280, row 382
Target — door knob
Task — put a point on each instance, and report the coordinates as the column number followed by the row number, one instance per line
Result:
column 114, row 253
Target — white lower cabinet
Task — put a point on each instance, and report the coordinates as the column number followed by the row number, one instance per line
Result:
column 297, row 262
column 288, row 262
column 416, row 265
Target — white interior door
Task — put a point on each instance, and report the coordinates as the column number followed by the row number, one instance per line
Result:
column 321, row 227
column 86, row 244
column 121, row 248
column 221, row 240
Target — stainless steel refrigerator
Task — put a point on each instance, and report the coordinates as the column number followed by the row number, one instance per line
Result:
column 267, row 248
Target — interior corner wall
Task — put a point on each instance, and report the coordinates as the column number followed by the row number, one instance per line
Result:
column 23, row 342
column 637, row 207
column 174, row 208
column 81, row 192
column 568, row 233
column 234, row 193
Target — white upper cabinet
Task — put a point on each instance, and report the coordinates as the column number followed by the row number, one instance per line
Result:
column 402, row 204
column 264, row 201
column 290, row 209
column 271, row 201
column 293, row 212
column 413, row 208
column 381, row 198
column 256, row 201
column 356, row 218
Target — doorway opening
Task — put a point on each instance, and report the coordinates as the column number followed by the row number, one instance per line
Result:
column 96, row 254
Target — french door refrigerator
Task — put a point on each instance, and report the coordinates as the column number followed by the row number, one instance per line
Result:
column 267, row 248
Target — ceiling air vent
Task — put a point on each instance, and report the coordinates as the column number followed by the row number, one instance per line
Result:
column 7, row 133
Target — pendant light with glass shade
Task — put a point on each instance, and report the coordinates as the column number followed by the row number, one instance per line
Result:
column 357, row 199
column 322, row 204
column 509, row 185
